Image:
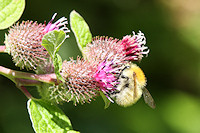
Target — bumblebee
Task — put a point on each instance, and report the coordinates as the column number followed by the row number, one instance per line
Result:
column 132, row 82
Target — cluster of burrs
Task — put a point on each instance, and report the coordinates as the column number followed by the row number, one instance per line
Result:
column 84, row 78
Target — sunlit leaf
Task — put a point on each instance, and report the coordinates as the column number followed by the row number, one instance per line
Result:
column 10, row 12
column 80, row 29
column 48, row 118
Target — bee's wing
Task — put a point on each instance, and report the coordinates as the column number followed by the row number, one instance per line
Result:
column 148, row 98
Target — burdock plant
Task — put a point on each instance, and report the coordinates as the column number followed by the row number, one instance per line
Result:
column 34, row 46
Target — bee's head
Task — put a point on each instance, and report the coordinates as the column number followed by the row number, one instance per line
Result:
column 140, row 77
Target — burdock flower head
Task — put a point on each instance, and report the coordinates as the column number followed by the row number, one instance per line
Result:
column 79, row 85
column 24, row 40
column 103, row 47
column 111, row 56
column 130, row 48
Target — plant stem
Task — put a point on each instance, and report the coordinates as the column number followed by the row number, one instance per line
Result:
column 3, row 49
column 22, row 79
column 26, row 93
column 13, row 75
column 28, row 82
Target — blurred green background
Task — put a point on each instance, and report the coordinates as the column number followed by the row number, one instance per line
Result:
column 172, row 29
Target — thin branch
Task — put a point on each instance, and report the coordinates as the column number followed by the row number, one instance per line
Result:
column 13, row 75
column 26, row 93
column 27, row 82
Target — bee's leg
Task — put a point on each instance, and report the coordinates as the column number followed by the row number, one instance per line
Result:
column 135, row 85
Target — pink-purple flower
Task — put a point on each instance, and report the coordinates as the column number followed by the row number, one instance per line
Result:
column 110, row 55
column 134, row 46
column 105, row 76
column 58, row 25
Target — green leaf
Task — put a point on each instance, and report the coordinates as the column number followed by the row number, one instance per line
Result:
column 105, row 99
column 10, row 12
column 52, row 41
column 57, row 66
column 80, row 29
column 48, row 118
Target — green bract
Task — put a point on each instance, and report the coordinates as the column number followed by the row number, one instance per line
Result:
column 105, row 99
column 48, row 118
column 81, row 30
column 10, row 12
column 52, row 42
